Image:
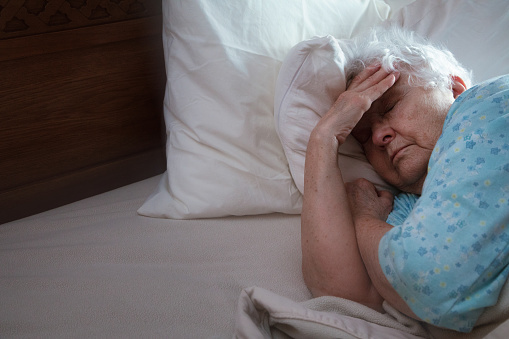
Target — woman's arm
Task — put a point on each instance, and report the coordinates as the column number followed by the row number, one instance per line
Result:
column 370, row 208
column 331, row 260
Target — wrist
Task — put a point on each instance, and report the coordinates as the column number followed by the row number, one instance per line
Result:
column 327, row 136
column 365, row 219
column 323, row 139
column 368, row 225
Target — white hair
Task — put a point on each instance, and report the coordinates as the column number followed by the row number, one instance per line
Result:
column 426, row 64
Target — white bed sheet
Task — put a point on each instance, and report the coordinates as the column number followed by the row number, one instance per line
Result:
column 96, row 269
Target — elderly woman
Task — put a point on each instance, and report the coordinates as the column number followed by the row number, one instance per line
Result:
column 442, row 254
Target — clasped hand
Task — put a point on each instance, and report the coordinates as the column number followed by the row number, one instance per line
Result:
column 367, row 202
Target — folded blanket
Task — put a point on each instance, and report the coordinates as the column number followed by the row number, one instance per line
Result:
column 263, row 314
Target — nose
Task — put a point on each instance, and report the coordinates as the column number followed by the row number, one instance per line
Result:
column 382, row 134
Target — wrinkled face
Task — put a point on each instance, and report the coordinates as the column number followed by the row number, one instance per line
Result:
column 400, row 130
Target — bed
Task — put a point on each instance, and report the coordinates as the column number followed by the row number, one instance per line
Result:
column 145, row 189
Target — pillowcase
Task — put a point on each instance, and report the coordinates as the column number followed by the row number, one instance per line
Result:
column 224, row 156
column 312, row 75
column 475, row 31
column 311, row 78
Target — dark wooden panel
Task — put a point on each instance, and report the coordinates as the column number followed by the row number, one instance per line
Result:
column 28, row 17
column 76, row 107
column 79, row 38
column 66, row 111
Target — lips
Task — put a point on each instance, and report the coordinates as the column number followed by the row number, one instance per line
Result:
column 396, row 152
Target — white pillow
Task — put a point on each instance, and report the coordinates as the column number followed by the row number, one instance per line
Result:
column 310, row 79
column 222, row 59
column 475, row 31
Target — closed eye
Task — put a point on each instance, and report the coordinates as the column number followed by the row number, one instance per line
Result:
column 388, row 109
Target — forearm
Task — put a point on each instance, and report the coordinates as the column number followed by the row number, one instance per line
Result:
column 369, row 232
column 331, row 261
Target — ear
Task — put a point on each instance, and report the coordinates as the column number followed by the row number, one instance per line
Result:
column 458, row 86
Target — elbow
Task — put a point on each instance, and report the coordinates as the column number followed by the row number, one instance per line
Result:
column 320, row 286
column 310, row 283
column 319, row 280
column 315, row 285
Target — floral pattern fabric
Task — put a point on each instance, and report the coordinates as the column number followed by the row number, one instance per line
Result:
column 447, row 255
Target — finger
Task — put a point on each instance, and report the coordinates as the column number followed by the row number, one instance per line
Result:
column 364, row 187
column 386, row 195
column 378, row 89
column 372, row 79
column 364, row 183
column 364, row 75
column 387, row 200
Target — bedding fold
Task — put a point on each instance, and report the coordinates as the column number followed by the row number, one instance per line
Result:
column 264, row 314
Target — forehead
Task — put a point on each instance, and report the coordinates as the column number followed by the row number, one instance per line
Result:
column 397, row 91
column 380, row 106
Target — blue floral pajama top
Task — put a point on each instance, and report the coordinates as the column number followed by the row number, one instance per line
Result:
column 447, row 255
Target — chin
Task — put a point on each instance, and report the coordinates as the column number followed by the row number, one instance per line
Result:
column 413, row 175
column 413, row 185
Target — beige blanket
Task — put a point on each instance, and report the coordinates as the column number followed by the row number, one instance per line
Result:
column 263, row 314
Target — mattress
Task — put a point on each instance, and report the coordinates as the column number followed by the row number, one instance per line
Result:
column 95, row 268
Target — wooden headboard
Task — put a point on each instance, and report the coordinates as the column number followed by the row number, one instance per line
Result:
column 81, row 88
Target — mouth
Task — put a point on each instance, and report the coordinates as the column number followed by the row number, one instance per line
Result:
column 398, row 151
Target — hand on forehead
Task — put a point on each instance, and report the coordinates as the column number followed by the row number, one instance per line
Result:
column 379, row 107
